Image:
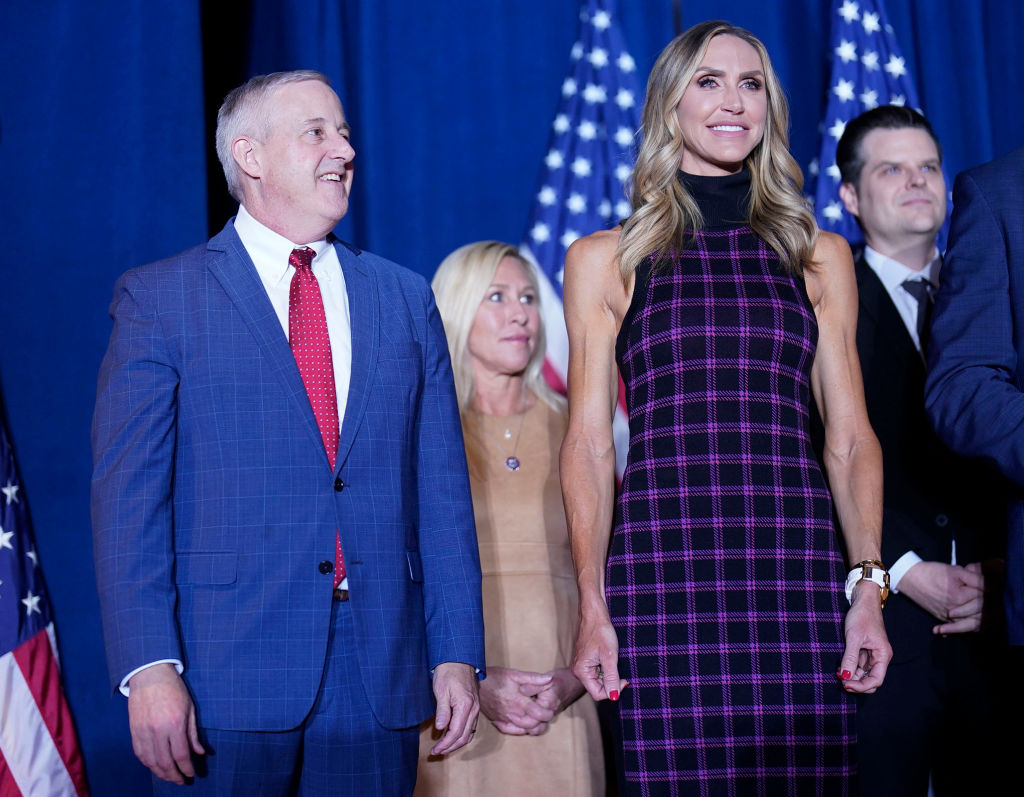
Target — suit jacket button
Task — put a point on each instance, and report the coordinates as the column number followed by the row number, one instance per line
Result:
column 339, row 485
column 326, row 567
column 941, row 520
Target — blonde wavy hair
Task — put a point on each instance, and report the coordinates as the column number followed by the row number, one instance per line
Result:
column 460, row 285
column 664, row 214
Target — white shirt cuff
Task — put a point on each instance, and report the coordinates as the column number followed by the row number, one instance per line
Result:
column 898, row 570
column 123, row 688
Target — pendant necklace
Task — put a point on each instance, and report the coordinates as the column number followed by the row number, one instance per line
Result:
column 512, row 461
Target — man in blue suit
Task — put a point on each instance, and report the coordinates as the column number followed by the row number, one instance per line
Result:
column 284, row 537
column 975, row 387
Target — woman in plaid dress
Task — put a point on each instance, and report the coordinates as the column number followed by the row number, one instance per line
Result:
column 718, row 619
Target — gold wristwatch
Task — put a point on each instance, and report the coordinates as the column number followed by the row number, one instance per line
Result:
column 871, row 570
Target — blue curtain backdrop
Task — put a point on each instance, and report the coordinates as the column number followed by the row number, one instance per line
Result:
column 105, row 131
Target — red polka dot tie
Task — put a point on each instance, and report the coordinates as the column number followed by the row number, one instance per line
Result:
column 311, row 345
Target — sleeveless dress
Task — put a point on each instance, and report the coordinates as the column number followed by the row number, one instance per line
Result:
column 530, row 611
column 724, row 579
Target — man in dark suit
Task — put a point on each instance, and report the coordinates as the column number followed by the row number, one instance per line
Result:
column 940, row 511
column 283, row 529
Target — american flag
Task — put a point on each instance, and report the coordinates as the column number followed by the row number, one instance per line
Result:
column 589, row 159
column 867, row 70
column 39, row 753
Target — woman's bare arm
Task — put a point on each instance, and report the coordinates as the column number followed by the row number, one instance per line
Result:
column 595, row 302
column 853, row 458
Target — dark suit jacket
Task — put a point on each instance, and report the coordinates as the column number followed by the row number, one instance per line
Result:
column 214, row 504
column 976, row 382
column 931, row 495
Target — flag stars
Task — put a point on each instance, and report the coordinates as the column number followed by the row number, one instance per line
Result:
column 604, row 210
column 870, row 23
column 897, row 99
column 896, row 66
column 540, row 233
column 833, row 211
column 598, row 57
column 812, row 168
column 31, row 604
column 623, row 137
column 561, row 124
column 870, row 99
column 5, row 539
column 624, row 99
column 568, row 237
column 622, row 209
column 847, row 51
column 587, row 130
column 546, row 196
column 601, row 20
column 622, row 172
column 554, row 160
column 581, row 167
column 568, row 87
column 870, row 60
column 31, row 554
column 625, row 62
column 10, row 492
column 837, row 128
column 833, row 172
column 849, row 11
column 577, row 51
column 594, row 93
column 843, row 90
column 576, row 203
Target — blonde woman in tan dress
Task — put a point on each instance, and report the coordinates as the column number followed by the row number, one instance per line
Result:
column 535, row 736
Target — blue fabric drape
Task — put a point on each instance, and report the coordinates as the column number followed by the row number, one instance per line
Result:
column 103, row 166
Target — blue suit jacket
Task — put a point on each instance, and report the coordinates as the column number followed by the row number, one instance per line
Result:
column 214, row 503
column 975, row 387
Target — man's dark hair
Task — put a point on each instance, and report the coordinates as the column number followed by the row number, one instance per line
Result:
column 849, row 157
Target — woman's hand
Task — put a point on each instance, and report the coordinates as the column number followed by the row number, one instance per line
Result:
column 505, row 699
column 868, row 652
column 596, row 659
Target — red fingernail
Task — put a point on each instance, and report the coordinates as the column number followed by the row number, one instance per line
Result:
column 614, row 694
column 846, row 675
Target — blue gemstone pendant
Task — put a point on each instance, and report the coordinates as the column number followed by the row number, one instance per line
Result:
column 512, row 463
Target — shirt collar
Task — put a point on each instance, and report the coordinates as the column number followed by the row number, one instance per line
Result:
column 269, row 250
column 892, row 273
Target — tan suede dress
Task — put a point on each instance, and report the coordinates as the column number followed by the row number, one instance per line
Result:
column 530, row 611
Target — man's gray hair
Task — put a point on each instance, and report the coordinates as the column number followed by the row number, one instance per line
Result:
column 244, row 113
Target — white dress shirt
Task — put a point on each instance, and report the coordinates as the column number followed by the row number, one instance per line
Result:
column 269, row 252
column 893, row 274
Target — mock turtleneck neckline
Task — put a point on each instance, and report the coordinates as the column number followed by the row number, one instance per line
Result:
column 724, row 201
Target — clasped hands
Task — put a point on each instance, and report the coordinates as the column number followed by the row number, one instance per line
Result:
column 952, row 594
column 520, row 702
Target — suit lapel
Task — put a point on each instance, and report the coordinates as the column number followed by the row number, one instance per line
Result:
column 876, row 304
column 361, row 286
column 231, row 265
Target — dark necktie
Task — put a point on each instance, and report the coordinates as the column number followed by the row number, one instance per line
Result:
column 921, row 290
column 311, row 345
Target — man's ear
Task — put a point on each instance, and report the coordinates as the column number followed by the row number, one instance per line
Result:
column 247, row 155
column 848, row 193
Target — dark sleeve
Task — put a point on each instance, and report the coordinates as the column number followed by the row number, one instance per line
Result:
column 971, row 393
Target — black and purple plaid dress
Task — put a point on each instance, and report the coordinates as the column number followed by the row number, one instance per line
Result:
column 724, row 578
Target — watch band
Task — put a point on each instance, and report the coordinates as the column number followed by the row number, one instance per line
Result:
column 871, row 570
